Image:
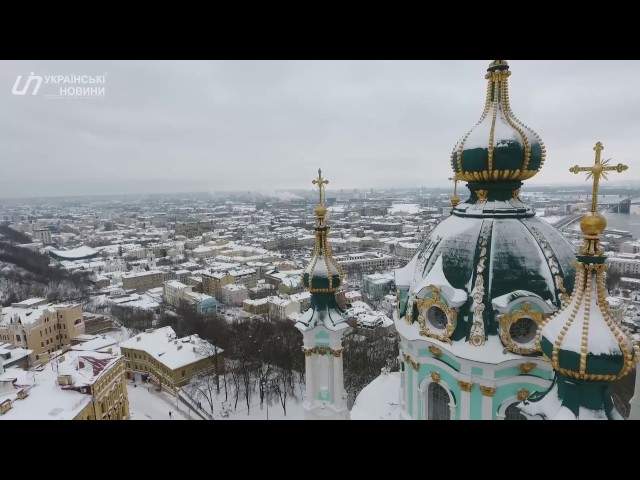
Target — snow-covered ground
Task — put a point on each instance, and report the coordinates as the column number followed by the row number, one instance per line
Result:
column 404, row 209
column 274, row 411
column 145, row 403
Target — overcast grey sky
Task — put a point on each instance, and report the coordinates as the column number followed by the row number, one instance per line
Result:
column 169, row 126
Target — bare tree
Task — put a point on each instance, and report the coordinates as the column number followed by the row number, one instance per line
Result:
column 203, row 385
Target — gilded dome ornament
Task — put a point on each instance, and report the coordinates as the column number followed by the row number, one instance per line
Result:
column 593, row 223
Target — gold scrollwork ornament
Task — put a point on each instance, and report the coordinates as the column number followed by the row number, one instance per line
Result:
column 435, row 300
column 508, row 319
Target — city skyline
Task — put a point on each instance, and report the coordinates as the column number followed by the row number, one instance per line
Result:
column 195, row 126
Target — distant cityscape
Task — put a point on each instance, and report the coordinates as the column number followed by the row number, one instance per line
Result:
column 129, row 267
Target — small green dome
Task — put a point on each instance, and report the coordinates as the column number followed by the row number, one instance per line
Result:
column 322, row 275
column 499, row 146
column 582, row 339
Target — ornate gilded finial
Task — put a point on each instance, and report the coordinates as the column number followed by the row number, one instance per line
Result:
column 593, row 223
column 598, row 170
column 321, row 209
column 320, row 182
column 455, row 199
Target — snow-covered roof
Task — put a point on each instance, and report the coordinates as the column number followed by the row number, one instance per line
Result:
column 46, row 399
column 98, row 343
column 436, row 278
column 379, row 400
column 26, row 316
column 172, row 352
column 75, row 253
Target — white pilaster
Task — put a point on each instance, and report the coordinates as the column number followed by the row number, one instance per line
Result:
column 465, row 405
column 487, row 407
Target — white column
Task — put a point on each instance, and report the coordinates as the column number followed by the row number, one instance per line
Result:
column 465, row 404
column 487, row 407
column 308, row 368
column 414, row 394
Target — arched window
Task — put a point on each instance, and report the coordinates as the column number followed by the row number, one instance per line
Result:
column 437, row 402
column 513, row 413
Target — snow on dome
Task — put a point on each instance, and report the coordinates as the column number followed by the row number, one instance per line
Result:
column 74, row 254
column 436, row 278
column 505, row 256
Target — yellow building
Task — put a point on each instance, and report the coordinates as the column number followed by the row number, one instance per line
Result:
column 141, row 281
column 212, row 283
column 74, row 386
column 169, row 361
column 40, row 326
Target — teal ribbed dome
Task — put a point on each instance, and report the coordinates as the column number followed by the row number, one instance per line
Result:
column 499, row 146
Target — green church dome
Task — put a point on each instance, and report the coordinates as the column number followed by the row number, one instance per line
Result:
column 583, row 340
column 499, row 146
column 492, row 271
column 322, row 275
column 486, row 258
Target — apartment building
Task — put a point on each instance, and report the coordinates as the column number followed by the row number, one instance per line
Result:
column 406, row 250
column 192, row 229
column 170, row 362
column 74, row 386
column 212, row 283
column 280, row 308
column 176, row 292
column 287, row 282
column 377, row 285
column 233, row 294
column 141, row 281
column 358, row 264
column 258, row 306
column 624, row 263
column 40, row 326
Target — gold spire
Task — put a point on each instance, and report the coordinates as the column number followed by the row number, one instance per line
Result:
column 593, row 223
column 332, row 272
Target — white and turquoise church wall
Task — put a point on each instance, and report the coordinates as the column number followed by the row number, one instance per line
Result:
column 325, row 397
column 436, row 385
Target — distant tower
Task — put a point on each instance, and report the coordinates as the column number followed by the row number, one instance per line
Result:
column 587, row 347
column 323, row 326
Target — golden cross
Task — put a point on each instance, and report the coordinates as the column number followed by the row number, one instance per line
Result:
column 598, row 170
column 321, row 182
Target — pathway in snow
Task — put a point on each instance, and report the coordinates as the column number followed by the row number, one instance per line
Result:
column 148, row 404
